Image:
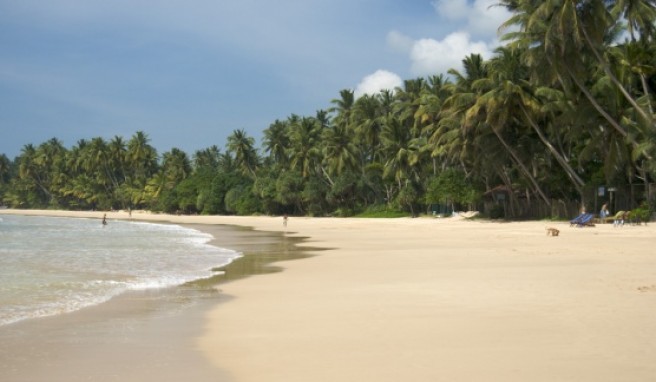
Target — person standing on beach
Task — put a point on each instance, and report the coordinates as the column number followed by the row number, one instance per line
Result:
column 104, row 221
column 284, row 220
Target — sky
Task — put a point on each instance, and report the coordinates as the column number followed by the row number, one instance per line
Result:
column 189, row 73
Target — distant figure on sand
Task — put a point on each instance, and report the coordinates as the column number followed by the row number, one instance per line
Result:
column 284, row 220
column 104, row 222
column 604, row 212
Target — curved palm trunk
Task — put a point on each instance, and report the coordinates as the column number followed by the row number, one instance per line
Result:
column 523, row 168
column 645, row 89
column 615, row 81
column 325, row 173
column 603, row 112
column 578, row 182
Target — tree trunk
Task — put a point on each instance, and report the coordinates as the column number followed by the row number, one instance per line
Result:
column 603, row 112
column 578, row 182
column 614, row 79
column 523, row 168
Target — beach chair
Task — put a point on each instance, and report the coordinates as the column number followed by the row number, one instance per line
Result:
column 583, row 220
column 587, row 221
column 577, row 219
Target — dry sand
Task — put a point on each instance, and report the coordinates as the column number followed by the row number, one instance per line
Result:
column 439, row 300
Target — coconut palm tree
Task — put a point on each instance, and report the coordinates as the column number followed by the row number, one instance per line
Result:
column 207, row 158
column 343, row 107
column 141, row 159
column 243, row 148
column 276, row 142
column 176, row 167
column 305, row 150
column 570, row 36
column 339, row 151
column 512, row 96
column 368, row 119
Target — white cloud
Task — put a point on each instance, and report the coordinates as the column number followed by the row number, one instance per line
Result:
column 380, row 80
column 451, row 9
column 430, row 56
column 399, row 42
column 474, row 25
column 482, row 17
column 486, row 17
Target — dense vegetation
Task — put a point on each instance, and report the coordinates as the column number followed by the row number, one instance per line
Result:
column 564, row 107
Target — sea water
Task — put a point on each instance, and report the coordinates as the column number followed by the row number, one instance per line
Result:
column 51, row 265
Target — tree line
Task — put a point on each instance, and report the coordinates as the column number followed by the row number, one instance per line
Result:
column 563, row 107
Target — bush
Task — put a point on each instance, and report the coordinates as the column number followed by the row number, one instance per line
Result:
column 642, row 213
column 382, row 211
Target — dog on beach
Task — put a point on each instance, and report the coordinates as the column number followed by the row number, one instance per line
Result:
column 552, row 231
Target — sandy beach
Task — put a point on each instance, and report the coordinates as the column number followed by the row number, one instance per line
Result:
column 437, row 299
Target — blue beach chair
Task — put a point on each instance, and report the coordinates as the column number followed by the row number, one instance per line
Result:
column 577, row 219
column 583, row 220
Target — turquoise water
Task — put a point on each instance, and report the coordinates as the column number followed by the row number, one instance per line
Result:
column 50, row 265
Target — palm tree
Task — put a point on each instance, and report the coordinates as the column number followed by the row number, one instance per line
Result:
column 305, row 153
column 176, row 167
column 569, row 36
column 5, row 168
column 339, row 151
column 242, row 146
column 512, row 93
column 639, row 16
column 343, row 107
column 368, row 122
column 207, row 158
column 116, row 155
column 276, row 142
column 141, row 158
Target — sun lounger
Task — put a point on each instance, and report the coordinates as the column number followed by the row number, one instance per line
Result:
column 583, row 220
column 576, row 219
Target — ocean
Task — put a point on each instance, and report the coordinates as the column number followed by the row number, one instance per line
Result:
column 51, row 265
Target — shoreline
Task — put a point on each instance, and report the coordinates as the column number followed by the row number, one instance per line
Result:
column 128, row 330
column 439, row 300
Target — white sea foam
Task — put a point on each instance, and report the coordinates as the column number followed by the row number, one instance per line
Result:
column 50, row 266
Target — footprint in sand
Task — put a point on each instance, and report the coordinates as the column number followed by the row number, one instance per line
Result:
column 648, row 288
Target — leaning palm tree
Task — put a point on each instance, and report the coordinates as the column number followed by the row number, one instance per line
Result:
column 511, row 92
column 569, row 38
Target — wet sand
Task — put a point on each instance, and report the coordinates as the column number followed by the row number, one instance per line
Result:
column 139, row 336
column 438, row 300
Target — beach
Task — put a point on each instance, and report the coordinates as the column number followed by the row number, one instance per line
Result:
column 434, row 299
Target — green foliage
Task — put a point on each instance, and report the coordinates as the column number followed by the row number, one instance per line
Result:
column 241, row 201
column 642, row 213
column 547, row 123
column 451, row 187
column 381, row 211
column 289, row 190
column 314, row 196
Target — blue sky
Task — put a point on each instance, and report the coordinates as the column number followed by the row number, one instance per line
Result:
column 189, row 73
